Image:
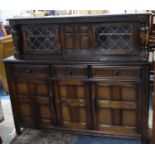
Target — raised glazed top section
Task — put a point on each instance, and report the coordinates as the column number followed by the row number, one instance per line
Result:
column 82, row 18
column 88, row 38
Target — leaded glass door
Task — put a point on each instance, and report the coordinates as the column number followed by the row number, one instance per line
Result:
column 115, row 39
column 41, row 41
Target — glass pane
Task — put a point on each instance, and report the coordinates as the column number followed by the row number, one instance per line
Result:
column 114, row 36
column 41, row 37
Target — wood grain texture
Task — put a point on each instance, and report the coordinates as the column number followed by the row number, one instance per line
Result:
column 85, row 75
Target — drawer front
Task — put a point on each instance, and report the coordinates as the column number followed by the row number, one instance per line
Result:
column 123, row 72
column 30, row 70
column 70, row 71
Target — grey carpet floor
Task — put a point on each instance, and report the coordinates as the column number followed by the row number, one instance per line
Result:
column 30, row 136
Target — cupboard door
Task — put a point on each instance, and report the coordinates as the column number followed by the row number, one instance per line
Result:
column 77, row 42
column 34, row 102
column 72, row 104
column 115, row 39
column 117, row 107
column 41, row 41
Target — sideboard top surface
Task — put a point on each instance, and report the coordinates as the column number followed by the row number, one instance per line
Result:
column 83, row 18
column 12, row 59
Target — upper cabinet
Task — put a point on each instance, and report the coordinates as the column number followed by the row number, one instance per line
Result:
column 82, row 38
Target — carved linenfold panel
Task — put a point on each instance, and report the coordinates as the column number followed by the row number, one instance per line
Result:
column 116, row 36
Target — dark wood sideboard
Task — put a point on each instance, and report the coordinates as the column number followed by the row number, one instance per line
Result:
column 81, row 74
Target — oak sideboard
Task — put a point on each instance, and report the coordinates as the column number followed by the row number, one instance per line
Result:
column 81, row 74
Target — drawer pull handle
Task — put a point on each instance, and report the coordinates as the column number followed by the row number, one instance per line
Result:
column 28, row 71
column 70, row 72
column 116, row 73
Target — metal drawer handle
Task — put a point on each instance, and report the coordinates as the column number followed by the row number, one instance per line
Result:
column 116, row 73
column 70, row 72
column 28, row 71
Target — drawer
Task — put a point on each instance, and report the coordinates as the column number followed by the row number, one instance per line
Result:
column 123, row 72
column 30, row 70
column 69, row 71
